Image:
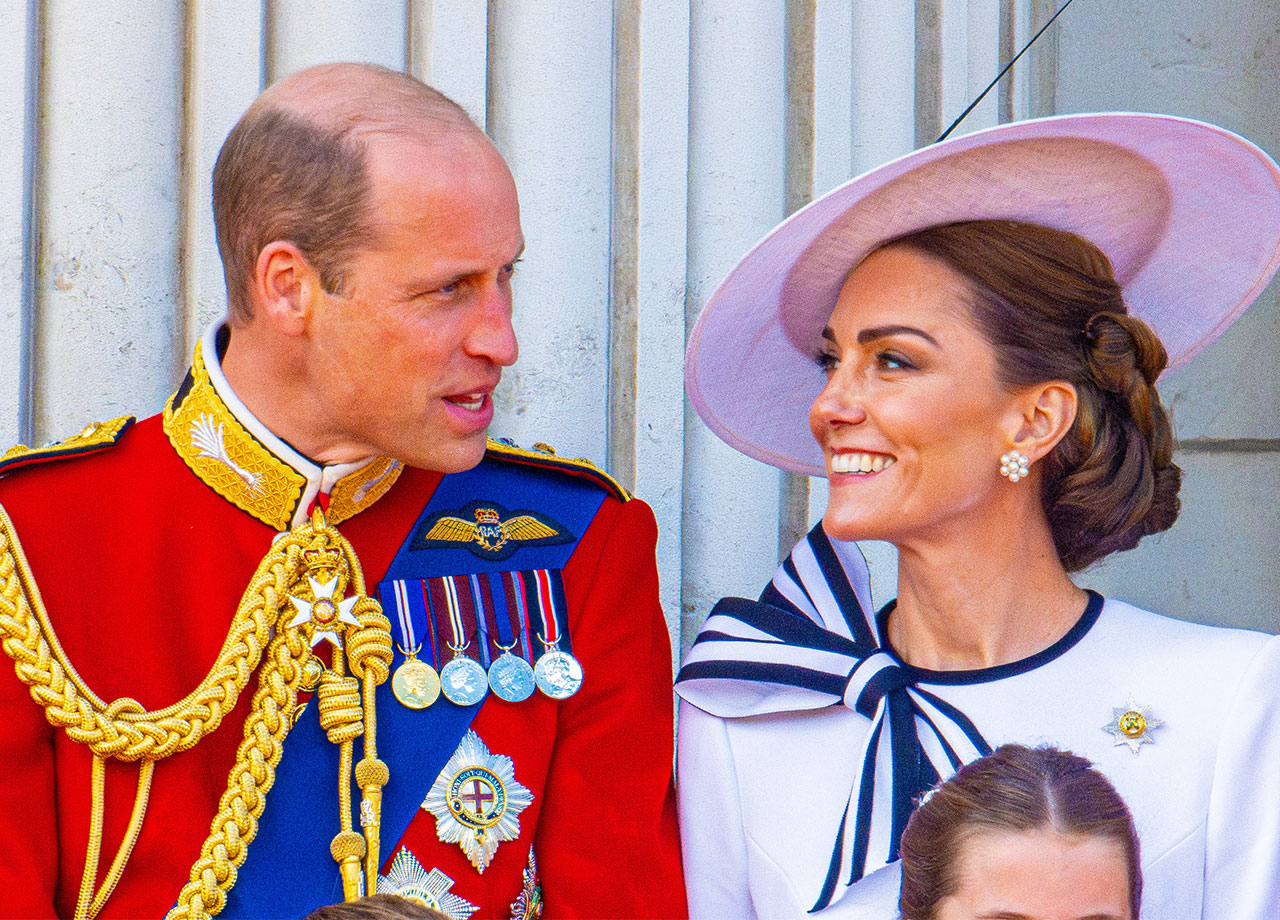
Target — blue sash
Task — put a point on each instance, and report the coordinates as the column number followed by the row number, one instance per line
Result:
column 288, row 871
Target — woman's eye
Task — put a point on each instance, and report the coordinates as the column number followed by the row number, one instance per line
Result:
column 891, row 360
column 510, row 268
column 827, row 361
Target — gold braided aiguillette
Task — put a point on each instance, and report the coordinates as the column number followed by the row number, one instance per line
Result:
column 124, row 731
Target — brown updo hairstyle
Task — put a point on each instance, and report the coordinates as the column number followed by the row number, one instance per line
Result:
column 1014, row 789
column 1049, row 304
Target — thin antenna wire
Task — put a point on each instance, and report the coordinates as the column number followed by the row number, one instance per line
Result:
column 982, row 95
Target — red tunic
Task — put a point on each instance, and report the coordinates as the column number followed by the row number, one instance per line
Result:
column 141, row 566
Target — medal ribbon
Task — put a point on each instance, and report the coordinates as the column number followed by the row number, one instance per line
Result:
column 455, row 614
column 404, row 619
column 547, row 607
column 481, row 612
column 412, row 609
column 522, row 613
column 501, row 611
column 498, row 601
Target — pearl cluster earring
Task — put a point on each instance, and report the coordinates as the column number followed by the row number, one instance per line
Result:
column 1015, row 465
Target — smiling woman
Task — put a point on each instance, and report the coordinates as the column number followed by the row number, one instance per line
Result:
column 1048, row 303
column 971, row 334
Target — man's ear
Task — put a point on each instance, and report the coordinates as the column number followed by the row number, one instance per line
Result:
column 286, row 288
column 1048, row 412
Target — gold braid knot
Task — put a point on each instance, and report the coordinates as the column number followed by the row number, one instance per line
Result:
column 341, row 715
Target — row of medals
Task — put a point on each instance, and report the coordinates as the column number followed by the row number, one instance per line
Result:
column 464, row 680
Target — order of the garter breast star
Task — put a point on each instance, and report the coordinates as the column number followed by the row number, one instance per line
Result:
column 326, row 615
column 477, row 800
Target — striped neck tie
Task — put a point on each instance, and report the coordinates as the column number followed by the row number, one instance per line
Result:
column 808, row 644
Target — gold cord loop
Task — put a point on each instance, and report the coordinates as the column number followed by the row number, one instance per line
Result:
column 145, row 771
column 122, row 729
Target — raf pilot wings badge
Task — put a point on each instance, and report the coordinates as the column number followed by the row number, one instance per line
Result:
column 489, row 530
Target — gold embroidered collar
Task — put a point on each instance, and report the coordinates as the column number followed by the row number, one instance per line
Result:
column 234, row 454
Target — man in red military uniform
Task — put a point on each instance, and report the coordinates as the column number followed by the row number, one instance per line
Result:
column 206, row 712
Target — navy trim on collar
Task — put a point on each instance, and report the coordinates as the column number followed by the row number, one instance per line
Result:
column 1077, row 632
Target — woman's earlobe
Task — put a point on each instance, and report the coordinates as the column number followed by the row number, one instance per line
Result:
column 1050, row 413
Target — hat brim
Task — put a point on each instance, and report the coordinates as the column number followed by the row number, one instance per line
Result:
column 1188, row 213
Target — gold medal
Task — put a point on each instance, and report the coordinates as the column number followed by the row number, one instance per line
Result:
column 415, row 683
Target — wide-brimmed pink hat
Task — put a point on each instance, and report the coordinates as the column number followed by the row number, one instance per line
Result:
column 1188, row 213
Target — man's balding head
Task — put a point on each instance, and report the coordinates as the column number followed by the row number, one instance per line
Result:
column 295, row 166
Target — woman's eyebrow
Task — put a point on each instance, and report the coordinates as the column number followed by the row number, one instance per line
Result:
column 881, row 332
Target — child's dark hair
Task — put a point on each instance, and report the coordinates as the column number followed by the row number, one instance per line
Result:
column 1014, row 789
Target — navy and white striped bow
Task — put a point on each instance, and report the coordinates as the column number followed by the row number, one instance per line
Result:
column 808, row 643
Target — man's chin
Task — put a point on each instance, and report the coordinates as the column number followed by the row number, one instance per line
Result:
column 455, row 456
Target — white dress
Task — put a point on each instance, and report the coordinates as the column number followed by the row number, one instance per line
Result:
column 762, row 796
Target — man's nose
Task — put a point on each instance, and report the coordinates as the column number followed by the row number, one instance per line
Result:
column 493, row 336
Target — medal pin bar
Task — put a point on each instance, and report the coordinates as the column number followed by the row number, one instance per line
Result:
column 462, row 680
column 557, row 673
column 414, row 683
column 510, row 676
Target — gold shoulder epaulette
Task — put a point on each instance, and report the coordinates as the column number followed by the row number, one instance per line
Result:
column 94, row 437
column 544, row 456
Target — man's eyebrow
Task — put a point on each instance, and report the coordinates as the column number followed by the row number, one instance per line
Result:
column 881, row 332
column 422, row 284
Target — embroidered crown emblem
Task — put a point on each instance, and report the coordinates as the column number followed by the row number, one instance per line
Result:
column 320, row 559
column 488, row 530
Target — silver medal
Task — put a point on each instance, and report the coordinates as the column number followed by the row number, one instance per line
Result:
column 463, row 681
column 511, row 678
column 558, row 674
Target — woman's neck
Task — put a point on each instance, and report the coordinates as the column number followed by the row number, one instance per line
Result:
column 983, row 598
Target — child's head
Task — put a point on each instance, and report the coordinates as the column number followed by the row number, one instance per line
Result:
column 377, row 907
column 1034, row 833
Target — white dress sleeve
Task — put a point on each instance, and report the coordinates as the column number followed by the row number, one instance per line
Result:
column 1242, row 841
column 711, row 833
